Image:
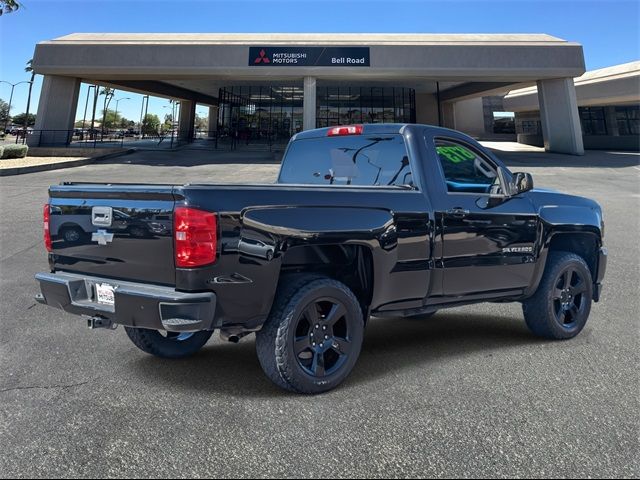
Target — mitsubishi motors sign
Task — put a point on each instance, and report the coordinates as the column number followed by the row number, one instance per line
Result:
column 309, row 56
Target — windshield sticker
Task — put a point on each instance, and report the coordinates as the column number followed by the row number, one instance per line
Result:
column 455, row 154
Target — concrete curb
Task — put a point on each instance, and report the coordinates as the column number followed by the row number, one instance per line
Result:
column 60, row 165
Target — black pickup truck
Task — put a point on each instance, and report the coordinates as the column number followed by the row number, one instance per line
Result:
column 383, row 220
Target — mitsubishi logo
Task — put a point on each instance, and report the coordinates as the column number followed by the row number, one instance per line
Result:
column 262, row 58
column 102, row 237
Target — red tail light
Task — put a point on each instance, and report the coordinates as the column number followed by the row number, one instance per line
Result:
column 46, row 230
column 345, row 130
column 196, row 235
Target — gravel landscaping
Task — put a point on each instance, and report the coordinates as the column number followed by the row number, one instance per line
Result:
column 33, row 161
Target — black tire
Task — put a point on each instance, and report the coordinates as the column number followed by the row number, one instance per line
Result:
column 560, row 307
column 169, row 345
column 286, row 346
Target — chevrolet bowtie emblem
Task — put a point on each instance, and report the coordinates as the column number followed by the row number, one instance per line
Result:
column 102, row 237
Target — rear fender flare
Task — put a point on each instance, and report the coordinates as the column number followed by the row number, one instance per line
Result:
column 282, row 228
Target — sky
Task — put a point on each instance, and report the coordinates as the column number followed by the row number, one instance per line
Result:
column 607, row 29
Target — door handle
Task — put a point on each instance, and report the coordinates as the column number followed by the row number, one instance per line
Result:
column 458, row 212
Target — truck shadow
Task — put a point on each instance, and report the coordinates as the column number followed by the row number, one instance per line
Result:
column 391, row 345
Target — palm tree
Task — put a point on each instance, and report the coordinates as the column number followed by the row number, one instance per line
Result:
column 29, row 69
column 8, row 6
column 108, row 95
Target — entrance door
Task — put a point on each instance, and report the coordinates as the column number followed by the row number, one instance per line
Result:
column 488, row 238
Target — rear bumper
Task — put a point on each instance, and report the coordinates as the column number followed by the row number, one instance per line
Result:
column 602, row 269
column 136, row 305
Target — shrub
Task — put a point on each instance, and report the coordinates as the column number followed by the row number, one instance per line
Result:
column 15, row 151
column 1, row 150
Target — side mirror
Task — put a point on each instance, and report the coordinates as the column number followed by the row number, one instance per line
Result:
column 522, row 182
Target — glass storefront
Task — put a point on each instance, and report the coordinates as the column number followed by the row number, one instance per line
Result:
column 346, row 105
column 259, row 115
column 592, row 120
column 628, row 119
column 269, row 115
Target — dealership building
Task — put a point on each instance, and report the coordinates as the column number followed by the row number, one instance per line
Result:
column 608, row 107
column 271, row 86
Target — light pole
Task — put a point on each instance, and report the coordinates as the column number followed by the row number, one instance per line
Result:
column 172, row 105
column 144, row 99
column 13, row 85
column 93, row 115
column 86, row 104
column 202, row 116
column 116, row 118
column 124, row 98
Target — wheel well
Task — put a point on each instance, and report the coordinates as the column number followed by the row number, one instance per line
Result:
column 583, row 244
column 349, row 264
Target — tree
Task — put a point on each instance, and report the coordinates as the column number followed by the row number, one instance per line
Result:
column 108, row 95
column 202, row 123
column 110, row 119
column 150, row 124
column 21, row 119
column 4, row 112
column 168, row 122
column 8, row 6
column 29, row 69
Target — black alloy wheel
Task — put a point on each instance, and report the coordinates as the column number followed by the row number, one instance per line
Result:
column 322, row 342
column 569, row 299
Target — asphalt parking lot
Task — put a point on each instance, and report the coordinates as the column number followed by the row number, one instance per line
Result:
column 467, row 393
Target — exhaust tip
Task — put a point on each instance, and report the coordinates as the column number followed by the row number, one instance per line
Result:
column 226, row 336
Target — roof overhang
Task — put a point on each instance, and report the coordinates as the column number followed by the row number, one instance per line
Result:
column 186, row 60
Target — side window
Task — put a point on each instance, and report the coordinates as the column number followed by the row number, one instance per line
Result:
column 466, row 171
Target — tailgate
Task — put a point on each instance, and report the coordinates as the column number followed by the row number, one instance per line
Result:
column 114, row 230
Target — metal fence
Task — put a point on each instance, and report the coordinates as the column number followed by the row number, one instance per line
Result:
column 95, row 139
column 225, row 139
column 77, row 138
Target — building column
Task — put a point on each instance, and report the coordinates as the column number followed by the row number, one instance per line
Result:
column 187, row 120
column 561, row 129
column 309, row 104
column 426, row 109
column 56, row 111
column 213, row 121
column 469, row 117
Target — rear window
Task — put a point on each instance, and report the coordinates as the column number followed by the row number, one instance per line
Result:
column 347, row 160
